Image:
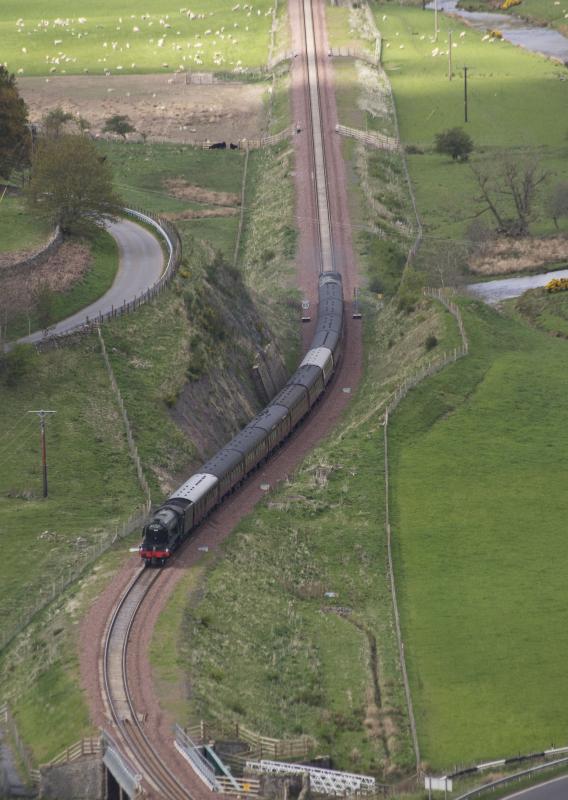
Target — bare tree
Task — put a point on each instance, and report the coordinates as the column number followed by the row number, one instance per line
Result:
column 557, row 202
column 511, row 186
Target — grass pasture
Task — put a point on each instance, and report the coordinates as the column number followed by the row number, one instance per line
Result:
column 64, row 38
column 141, row 172
column 477, row 455
column 503, row 83
column 17, row 226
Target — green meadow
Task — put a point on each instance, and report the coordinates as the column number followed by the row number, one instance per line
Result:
column 479, row 520
column 122, row 38
column 517, row 104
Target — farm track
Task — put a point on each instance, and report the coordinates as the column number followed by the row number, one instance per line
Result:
column 144, row 703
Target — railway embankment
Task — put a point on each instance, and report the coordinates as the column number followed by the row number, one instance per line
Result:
column 209, row 330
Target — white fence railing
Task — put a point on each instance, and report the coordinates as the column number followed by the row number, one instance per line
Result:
column 322, row 781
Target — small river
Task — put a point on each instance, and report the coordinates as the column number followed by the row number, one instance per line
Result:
column 546, row 41
column 506, row 288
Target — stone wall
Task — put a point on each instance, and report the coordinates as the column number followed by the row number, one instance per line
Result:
column 79, row 780
column 26, row 265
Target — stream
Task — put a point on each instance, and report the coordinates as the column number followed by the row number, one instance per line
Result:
column 547, row 41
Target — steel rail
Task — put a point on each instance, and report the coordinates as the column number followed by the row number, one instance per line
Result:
column 318, row 147
column 118, row 699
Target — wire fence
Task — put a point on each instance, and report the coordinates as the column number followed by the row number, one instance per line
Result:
column 433, row 366
column 69, row 566
column 170, row 235
column 132, row 447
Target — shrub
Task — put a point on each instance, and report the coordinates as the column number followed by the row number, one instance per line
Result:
column 17, row 364
column 430, row 342
column 454, row 142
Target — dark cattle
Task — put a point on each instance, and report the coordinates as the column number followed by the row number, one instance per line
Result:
column 218, row 146
column 234, row 146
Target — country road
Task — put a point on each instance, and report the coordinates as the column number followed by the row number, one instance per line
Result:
column 141, row 262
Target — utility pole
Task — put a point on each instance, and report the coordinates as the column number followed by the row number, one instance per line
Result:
column 435, row 20
column 465, row 92
column 449, row 55
column 42, row 414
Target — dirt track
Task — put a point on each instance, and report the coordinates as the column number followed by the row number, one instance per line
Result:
column 318, row 425
column 158, row 105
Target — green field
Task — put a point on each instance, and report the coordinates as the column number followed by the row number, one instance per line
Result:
column 478, row 508
column 124, row 39
column 17, row 226
column 141, row 172
column 504, row 82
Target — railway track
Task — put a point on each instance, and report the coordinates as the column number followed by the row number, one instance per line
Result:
column 128, row 728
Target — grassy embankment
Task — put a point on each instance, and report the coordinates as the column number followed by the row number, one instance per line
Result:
column 151, row 360
column 381, row 213
column 262, row 643
column 161, row 37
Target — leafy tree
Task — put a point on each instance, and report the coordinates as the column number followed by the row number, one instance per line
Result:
column 120, row 124
column 557, row 202
column 517, row 179
column 15, row 137
column 54, row 121
column 71, row 183
column 454, row 142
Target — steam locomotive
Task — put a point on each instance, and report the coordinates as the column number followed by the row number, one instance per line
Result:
column 183, row 511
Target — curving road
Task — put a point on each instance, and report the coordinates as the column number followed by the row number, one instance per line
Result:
column 556, row 789
column 506, row 288
column 141, row 262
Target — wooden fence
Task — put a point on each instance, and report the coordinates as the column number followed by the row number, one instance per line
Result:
column 378, row 140
column 354, row 52
column 85, row 747
column 260, row 746
column 239, row 786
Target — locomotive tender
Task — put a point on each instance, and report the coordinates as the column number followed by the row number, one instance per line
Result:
column 174, row 520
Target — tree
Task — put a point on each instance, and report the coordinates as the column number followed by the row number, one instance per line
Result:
column 454, row 142
column 557, row 202
column 119, row 123
column 15, row 137
column 54, row 121
column 517, row 179
column 71, row 183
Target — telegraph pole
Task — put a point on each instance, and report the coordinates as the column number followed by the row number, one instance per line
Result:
column 42, row 414
column 435, row 20
column 465, row 93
